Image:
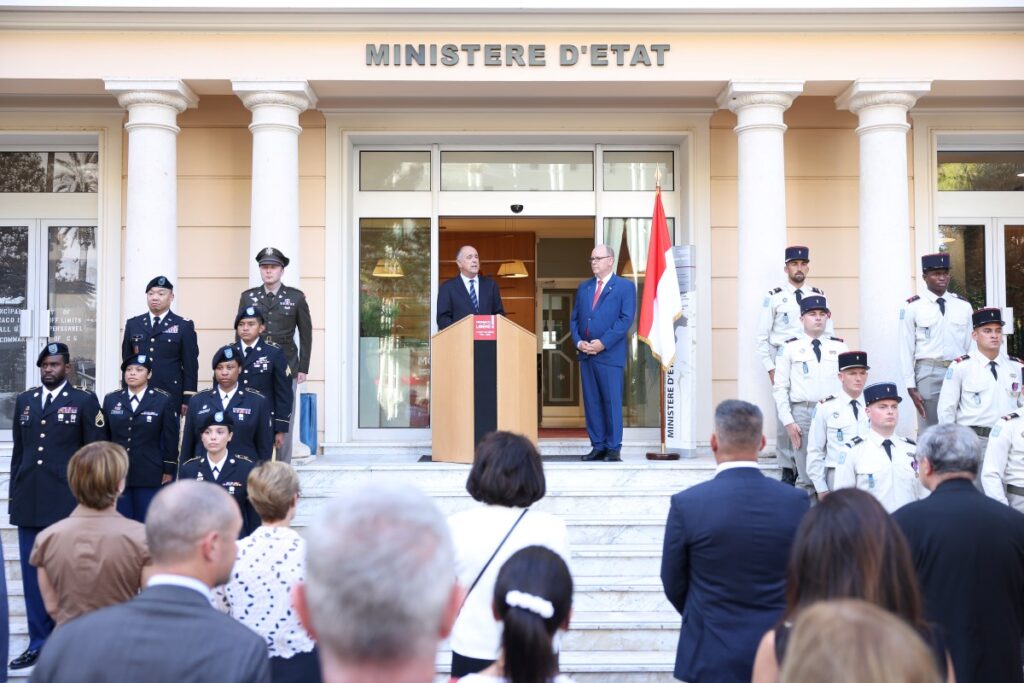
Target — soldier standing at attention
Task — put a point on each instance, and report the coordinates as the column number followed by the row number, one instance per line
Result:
column 807, row 372
column 837, row 420
column 935, row 328
column 265, row 369
column 284, row 311
column 779, row 321
column 51, row 422
column 169, row 340
column 984, row 385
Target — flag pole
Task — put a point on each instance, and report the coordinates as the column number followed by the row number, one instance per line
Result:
column 663, row 453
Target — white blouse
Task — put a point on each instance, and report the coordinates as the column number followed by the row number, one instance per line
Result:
column 270, row 561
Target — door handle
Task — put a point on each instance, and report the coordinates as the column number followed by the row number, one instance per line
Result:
column 25, row 323
column 44, row 323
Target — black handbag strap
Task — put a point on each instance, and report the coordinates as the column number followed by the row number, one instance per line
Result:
column 491, row 558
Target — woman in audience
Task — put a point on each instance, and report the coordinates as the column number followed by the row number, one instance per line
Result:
column 852, row 641
column 507, row 477
column 96, row 557
column 847, row 546
column 270, row 562
column 532, row 600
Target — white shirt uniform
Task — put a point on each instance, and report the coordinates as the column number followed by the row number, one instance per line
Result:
column 801, row 378
column 866, row 466
column 780, row 320
column 833, row 427
column 972, row 397
column 1004, row 458
column 925, row 333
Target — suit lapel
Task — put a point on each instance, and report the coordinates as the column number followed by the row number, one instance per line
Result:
column 604, row 292
column 146, row 401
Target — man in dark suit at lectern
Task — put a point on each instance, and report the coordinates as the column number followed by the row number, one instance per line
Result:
column 468, row 293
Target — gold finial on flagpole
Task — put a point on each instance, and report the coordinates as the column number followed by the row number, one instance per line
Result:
column 657, row 178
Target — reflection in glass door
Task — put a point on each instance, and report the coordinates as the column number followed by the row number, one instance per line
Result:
column 1013, row 252
column 15, row 326
column 560, row 380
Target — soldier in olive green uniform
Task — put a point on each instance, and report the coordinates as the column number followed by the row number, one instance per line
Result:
column 285, row 310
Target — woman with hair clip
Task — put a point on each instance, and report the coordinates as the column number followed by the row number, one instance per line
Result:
column 533, row 600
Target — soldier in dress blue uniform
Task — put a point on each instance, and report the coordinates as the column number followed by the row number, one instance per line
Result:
column 51, row 422
column 144, row 420
column 265, row 369
column 169, row 340
column 250, row 412
column 217, row 465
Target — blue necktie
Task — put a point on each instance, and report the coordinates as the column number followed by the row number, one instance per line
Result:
column 473, row 297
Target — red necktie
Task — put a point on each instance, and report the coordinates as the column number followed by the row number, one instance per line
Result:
column 597, row 294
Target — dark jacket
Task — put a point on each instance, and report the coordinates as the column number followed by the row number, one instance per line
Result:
column 723, row 568
column 174, row 349
column 454, row 304
column 234, row 477
column 969, row 554
column 252, row 434
column 283, row 313
column 266, row 370
column 149, row 434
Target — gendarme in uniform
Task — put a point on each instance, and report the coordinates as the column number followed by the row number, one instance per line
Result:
column 837, row 420
column 1002, row 475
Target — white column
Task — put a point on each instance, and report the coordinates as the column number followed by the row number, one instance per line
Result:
column 274, row 221
column 885, row 252
column 151, row 221
column 761, row 198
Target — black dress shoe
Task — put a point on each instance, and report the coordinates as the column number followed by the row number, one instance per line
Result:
column 594, row 454
column 25, row 659
column 612, row 456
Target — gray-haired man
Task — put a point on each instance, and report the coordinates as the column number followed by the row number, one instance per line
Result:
column 380, row 591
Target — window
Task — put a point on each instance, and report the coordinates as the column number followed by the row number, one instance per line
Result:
column 517, row 171
column 394, row 171
column 995, row 171
column 49, row 171
column 638, row 171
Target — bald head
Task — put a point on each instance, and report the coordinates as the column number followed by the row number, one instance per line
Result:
column 183, row 514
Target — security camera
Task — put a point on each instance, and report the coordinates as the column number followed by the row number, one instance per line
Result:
column 516, row 208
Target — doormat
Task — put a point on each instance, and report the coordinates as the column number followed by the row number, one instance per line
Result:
column 544, row 458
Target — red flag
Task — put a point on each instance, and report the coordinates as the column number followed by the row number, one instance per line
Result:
column 662, row 304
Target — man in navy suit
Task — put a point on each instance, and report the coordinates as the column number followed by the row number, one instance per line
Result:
column 468, row 293
column 727, row 544
column 601, row 317
column 169, row 340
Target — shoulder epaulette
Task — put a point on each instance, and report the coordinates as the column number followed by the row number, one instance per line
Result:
column 191, row 460
column 817, row 291
column 792, row 339
column 913, row 299
column 774, row 291
column 161, row 391
column 856, row 440
column 954, row 295
column 909, row 440
column 245, row 458
column 1011, row 416
column 111, row 393
column 838, row 339
column 35, row 388
column 79, row 387
column 826, row 399
column 250, row 390
column 962, row 358
column 271, row 343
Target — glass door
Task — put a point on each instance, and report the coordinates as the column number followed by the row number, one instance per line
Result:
column 17, row 314
column 1011, row 233
column 561, row 402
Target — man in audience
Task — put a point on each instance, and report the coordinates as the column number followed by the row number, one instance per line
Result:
column 726, row 547
column 170, row 632
column 969, row 554
column 380, row 591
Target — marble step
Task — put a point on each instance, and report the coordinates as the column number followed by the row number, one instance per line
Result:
column 606, row 666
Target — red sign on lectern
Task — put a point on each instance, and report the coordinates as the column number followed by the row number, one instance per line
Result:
column 485, row 327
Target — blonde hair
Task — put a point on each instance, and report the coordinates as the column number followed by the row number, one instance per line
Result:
column 849, row 641
column 273, row 486
column 95, row 473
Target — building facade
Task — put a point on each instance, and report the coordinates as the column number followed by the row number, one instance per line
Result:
column 368, row 144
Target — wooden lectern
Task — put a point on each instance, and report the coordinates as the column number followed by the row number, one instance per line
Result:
column 483, row 377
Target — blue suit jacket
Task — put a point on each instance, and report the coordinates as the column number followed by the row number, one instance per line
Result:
column 609, row 321
column 454, row 304
column 723, row 567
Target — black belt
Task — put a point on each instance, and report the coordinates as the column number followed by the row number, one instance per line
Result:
column 1015, row 490
column 982, row 431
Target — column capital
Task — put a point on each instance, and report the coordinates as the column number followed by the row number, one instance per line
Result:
column 170, row 93
column 866, row 93
column 293, row 94
column 741, row 94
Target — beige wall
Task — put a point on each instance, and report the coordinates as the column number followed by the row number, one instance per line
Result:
column 214, row 184
column 822, row 175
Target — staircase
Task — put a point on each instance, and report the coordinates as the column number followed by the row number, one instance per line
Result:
column 623, row 629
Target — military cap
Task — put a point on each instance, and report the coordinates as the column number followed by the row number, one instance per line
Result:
column 271, row 255
column 160, row 281
column 54, row 349
column 226, row 353
column 813, row 303
column 138, row 359
column 797, row 254
column 986, row 316
column 880, row 391
column 934, row 262
column 219, row 418
column 853, row 359
column 249, row 312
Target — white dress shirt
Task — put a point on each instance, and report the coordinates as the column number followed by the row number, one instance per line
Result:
column 182, row 581
column 476, row 284
column 801, row 378
column 926, row 334
column 225, row 396
column 735, row 465
column 866, row 466
column 972, row 397
column 55, row 393
column 1004, row 457
column 832, row 429
column 780, row 320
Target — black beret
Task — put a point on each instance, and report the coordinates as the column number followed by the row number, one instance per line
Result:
column 160, row 281
column 54, row 349
column 139, row 359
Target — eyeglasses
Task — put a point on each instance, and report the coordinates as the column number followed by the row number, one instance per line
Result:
column 595, row 259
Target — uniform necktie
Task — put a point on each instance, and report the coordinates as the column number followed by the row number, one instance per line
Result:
column 942, row 305
column 856, row 411
column 216, row 472
column 247, row 350
column 799, row 295
column 48, row 402
column 135, row 402
column 224, row 400
column 156, row 321
column 817, row 349
column 472, row 295
column 887, row 445
column 992, row 367
column 597, row 294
